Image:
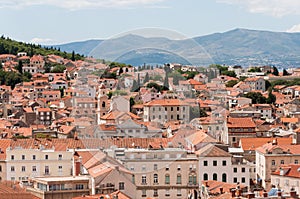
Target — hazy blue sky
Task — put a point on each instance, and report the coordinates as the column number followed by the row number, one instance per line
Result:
column 60, row 21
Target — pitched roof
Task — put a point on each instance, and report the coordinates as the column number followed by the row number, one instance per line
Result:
column 254, row 143
column 166, row 102
column 211, row 150
column 245, row 122
column 290, row 170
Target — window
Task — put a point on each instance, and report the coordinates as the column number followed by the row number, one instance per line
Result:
column 155, row 167
column 233, row 139
column 23, row 157
column 143, row 167
column 144, row 179
column 23, row 168
column 178, row 192
column 224, row 177
column 215, row 163
column 167, row 167
column 34, row 168
column 281, row 161
column 205, row 176
column 243, row 169
column 167, row 192
column 155, row 193
column 205, row 163
column 178, row 168
column 46, row 157
column 171, row 108
column 59, row 168
column 144, row 193
column 296, row 161
column 12, row 157
column 178, row 180
column 273, row 163
column 121, row 185
column 60, row 156
column 79, row 186
column 235, row 180
column 0, row 168
column 46, row 170
column 155, row 178
column 243, row 179
column 12, row 168
column 224, row 163
column 133, row 179
column 167, row 179
column 234, row 170
column 33, row 157
column 215, row 177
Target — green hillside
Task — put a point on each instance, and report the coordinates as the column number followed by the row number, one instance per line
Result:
column 9, row 46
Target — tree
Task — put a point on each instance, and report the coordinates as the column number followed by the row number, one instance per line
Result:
column 73, row 56
column 228, row 73
column 257, row 98
column 254, row 70
column 58, row 69
column 135, row 86
column 196, row 112
column 146, row 79
column 154, row 85
column 271, row 98
column 121, row 70
column 131, row 102
column 166, row 82
column 19, row 67
column 285, row 73
column 231, row 83
column 275, row 71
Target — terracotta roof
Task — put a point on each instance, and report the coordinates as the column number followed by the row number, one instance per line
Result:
column 289, row 120
column 254, row 143
column 117, row 194
column 211, row 150
column 214, row 186
column 166, row 102
column 245, row 122
column 290, row 170
column 44, row 110
column 288, row 149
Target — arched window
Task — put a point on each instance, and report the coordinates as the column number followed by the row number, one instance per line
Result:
column 167, row 179
column 215, row 177
column 103, row 104
column 178, row 181
column 224, row 177
column 205, row 176
column 155, row 178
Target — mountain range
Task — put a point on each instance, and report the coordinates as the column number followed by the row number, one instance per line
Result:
column 236, row 47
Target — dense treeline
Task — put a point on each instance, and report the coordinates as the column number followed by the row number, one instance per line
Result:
column 9, row 46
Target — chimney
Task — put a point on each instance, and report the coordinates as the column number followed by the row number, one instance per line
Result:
column 279, row 193
column 221, row 190
column 232, row 193
column 251, row 195
column 93, row 186
column 293, row 193
column 265, row 194
column 274, row 142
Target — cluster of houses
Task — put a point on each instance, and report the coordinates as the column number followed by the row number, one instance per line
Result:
column 81, row 134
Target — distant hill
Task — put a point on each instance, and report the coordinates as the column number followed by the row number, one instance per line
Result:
column 82, row 47
column 239, row 46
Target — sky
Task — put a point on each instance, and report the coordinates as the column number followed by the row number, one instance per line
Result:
column 63, row 21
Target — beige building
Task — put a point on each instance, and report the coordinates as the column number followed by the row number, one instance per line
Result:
column 161, row 173
column 287, row 177
column 165, row 110
column 28, row 158
column 60, row 187
column 271, row 156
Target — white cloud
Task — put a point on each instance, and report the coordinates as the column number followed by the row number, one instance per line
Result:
column 42, row 41
column 78, row 4
column 295, row 28
column 277, row 8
